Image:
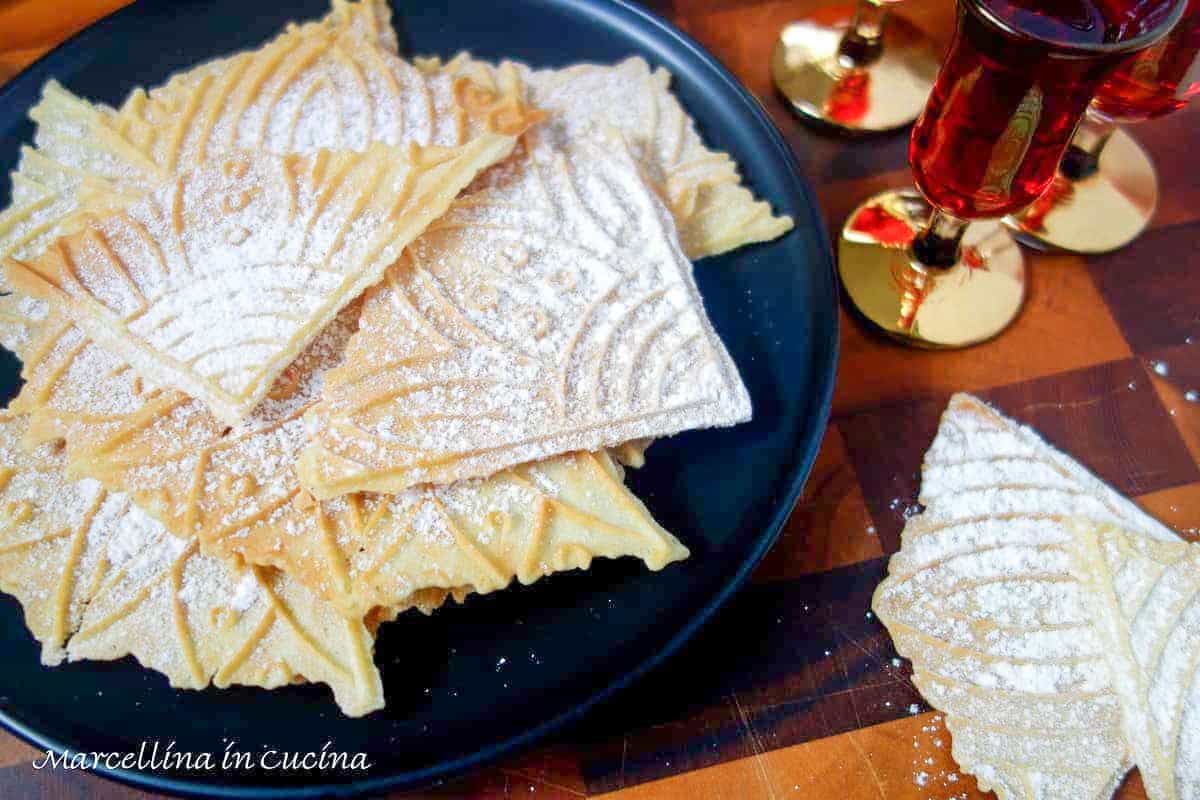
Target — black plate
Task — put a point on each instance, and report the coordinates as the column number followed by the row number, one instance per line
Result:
column 569, row 641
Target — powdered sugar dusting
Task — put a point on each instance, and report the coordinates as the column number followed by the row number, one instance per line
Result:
column 234, row 257
column 246, row 593
column 133, row 532
column 702, row 188
column 336, row 83
column 123, row 551
column 343, row 92
column 394, row 550
column 220, row 317
column 551, row 313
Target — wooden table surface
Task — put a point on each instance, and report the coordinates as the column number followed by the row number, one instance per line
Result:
column 794, row 691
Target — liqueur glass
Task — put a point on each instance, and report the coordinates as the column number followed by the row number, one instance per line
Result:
column 936, row 268
column 1106, row 189
column 869, row 72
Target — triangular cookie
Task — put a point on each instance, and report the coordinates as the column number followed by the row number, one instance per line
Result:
column 235, row 487
column 280, row 98
column 713, row 210
column 1056, row 625
column 552, row 312
column 214, row 282
column 73, row 166
column 321, row 85
column 100, row 580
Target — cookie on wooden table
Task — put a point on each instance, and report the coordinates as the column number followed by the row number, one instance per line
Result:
column 1055, row 624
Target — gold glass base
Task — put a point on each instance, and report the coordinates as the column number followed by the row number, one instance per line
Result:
column 956, row 307
column 1103, row 212
column 886, row 94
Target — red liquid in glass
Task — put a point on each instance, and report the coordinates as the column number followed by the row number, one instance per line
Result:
column 1006, row 102
column 1158, row 80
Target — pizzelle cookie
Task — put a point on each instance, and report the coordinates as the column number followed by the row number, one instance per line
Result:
column 236, row 490
column 328, row 84
column 550, row 313
column 100, row 580
column 1055, row 624
column 715, row 213
column 215, row 281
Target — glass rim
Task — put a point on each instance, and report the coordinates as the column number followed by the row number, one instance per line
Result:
column 1080, row 50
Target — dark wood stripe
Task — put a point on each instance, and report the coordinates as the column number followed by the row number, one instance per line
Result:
column 786, row 662
column 1152, row 288
column 24, row 781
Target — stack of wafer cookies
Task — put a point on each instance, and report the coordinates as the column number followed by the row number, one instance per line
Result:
column 312, row 335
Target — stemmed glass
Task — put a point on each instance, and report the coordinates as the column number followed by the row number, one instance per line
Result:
column 870, row 72
column 1106, row 189
column 937, row 269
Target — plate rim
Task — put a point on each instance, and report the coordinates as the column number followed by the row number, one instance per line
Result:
column 443, row 771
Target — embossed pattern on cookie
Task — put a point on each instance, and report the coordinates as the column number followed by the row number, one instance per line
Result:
column 713, row 210
column 150, row 440
column 551, row 312
column 234, row 488
column 91, row 157
column 99, row 580
column 1056, row 625
column 316, row 86
column 216, row 280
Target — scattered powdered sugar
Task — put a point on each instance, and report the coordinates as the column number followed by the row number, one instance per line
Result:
column 477, row 499
column 125, row 559
column 428, row 522
column 637, row 101
column 246, row 593
column 133, row 530
column 928, row 772
column 251, row 469
column 32, row 308
column 346, row 97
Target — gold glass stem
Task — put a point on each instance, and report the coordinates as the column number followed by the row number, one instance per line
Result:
column 863, row 40
column 939, row 244
column 954, row 285
column 871, row 72
column 1082, row 158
